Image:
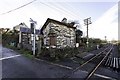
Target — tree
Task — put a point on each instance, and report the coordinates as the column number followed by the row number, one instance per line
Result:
column 10, row 36
column 79, row 33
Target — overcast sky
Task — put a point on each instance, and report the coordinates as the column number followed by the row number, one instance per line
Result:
column 104, row 14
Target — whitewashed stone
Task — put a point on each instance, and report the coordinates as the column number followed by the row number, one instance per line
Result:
column 62, row 34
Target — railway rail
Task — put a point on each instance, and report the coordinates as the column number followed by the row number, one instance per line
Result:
column 102, row 58
column 90, row 59
column 97, row 66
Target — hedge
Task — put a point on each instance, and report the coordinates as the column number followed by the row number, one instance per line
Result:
column 57, row 54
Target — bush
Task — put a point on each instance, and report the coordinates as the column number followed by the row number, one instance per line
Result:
column 44, row 52
column 23, row 51
column 58, row 54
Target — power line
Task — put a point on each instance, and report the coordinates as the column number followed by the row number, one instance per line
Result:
column 18, row 7
column 63, row 9
column 59, row 9
column 67, row 10
column 72, row 8
column 54, row 7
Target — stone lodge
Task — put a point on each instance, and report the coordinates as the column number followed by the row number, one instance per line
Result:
column 58, row 34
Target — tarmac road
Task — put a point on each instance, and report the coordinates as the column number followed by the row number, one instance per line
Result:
column 15, row 65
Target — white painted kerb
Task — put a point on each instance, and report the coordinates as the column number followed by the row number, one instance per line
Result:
column 9, row 57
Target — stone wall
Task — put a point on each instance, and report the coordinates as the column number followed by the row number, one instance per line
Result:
column 65, row 36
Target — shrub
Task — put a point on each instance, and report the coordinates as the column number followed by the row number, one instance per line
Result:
column 58, row 54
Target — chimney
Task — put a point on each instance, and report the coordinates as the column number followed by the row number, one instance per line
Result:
column 64, row 20
column 72, row 23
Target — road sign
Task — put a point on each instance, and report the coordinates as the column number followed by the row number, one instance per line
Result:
column 33, row 32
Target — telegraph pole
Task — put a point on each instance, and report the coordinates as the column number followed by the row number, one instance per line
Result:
column 33, row 23
column 105, row 38
column 87, row 22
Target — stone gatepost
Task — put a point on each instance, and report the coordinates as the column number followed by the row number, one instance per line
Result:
column 39, row 45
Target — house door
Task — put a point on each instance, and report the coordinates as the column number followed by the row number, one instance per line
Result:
column 52, row 40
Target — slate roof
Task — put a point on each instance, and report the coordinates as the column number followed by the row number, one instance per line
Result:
column 58, row 22
column 28, row 30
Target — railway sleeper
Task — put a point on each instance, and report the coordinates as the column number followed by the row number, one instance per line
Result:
column 117, row 64
column 107, row 61
column 113, row 63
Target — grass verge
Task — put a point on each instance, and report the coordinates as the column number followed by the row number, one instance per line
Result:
column 25, row 52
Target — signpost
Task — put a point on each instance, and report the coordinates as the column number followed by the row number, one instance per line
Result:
column 33, row 23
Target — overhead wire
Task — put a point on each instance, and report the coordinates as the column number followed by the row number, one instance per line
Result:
column 55, row 8
column 18, row 7
column 72, row 8
column 63, row 10
column 76, row 11
column 68, row 11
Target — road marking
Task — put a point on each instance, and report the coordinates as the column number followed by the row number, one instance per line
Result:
column 99, row 75
column 55, row 64
column 106, row 77
column 9, row 57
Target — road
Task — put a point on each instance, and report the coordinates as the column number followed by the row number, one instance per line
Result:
column 15, row 65
column 114, row 51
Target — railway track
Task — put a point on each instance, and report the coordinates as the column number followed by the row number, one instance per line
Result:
column 93, row 58
column 99, row 63
column 113, row 63
column 102, row 58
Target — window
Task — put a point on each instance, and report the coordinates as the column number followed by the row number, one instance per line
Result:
column 52, row 40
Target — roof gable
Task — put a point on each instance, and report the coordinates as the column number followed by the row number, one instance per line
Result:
column 28, row 30
column 17, row 27
column 58, row 22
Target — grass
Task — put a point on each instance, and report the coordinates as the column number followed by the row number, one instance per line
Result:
column 25, row 52
column 28, row 55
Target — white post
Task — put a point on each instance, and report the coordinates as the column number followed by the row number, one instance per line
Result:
column 20, row 36
column 34, row 35
column 34, row 41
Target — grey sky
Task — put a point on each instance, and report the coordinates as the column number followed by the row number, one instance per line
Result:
column 40, row 11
